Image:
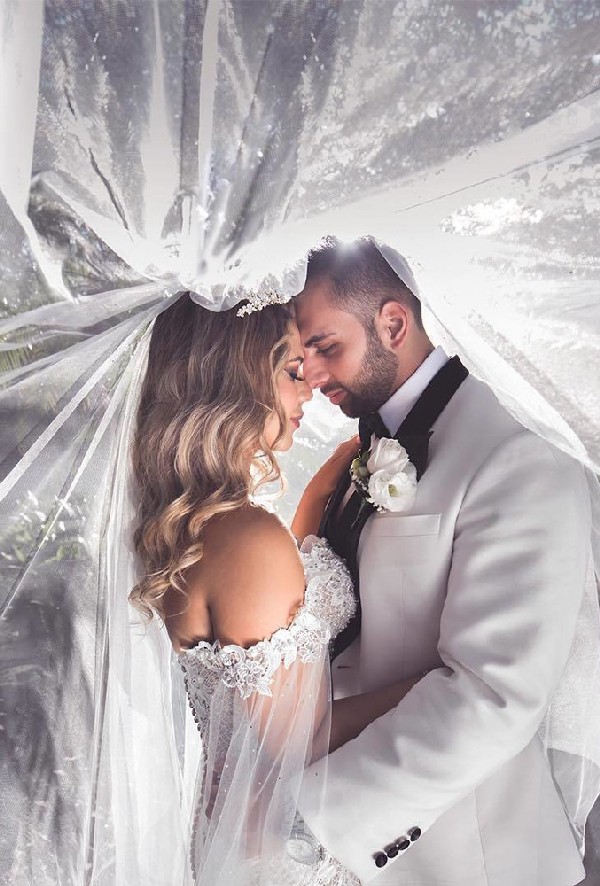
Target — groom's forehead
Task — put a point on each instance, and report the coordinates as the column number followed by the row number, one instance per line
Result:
column 320, row 323
column 319, row 316
column 315, row 304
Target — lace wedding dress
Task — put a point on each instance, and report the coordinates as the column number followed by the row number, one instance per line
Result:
column 263, row 713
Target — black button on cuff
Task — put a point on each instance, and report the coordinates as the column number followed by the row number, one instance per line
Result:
column 414, row 834
column 392, row 851
column 403, row 844
column 380, row 859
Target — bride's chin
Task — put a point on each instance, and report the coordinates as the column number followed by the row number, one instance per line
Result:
column 283, row 445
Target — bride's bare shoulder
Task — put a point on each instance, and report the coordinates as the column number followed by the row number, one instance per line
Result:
column 251, row 576
column 244, row 530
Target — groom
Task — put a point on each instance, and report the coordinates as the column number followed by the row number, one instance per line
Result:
column 476, row 584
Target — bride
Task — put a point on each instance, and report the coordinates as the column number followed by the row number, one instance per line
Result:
column 250, row 616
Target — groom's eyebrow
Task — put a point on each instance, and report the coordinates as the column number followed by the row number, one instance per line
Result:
column 315, row 339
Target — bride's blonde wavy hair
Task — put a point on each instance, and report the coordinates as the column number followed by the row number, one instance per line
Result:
column 209, row 388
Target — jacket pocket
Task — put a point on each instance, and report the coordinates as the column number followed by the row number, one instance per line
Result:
column 391, row 524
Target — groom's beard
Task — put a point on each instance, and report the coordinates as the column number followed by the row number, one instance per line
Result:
column 375, row 382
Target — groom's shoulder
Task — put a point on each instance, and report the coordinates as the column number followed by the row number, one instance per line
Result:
column 483, row 426
column 477, row 415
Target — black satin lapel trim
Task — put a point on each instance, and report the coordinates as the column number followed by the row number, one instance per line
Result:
column 335, row 500
column 348, row 635
column 434, row 399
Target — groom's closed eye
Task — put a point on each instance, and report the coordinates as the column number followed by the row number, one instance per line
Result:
column 328, row 350
column 317, row 339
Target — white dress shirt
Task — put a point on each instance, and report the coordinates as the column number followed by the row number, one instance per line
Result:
column 394, row 411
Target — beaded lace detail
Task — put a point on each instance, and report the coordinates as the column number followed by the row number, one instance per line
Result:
column 327, row 608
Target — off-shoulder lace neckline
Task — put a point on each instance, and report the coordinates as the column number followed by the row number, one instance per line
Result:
column 326, row 609
column 216, row 646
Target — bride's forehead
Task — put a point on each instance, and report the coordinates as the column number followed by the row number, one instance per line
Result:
column 294, row 341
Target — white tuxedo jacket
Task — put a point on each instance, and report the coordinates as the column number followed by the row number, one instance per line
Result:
column 480, row 584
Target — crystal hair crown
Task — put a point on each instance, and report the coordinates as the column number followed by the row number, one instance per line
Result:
column 256, row 301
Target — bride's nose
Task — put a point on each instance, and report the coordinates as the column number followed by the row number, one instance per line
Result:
column 305, row 392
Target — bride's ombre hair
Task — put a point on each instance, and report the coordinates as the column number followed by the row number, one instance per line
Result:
column 209, row 388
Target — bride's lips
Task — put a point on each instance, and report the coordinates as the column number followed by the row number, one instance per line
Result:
column 295, row 420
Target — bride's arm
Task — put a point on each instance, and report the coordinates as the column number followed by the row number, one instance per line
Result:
column 353, row 714
column 316, row 495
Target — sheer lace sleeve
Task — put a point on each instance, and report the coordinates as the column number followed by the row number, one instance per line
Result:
column 264, row 715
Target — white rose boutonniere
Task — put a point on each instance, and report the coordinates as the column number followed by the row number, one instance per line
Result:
column 385, row 476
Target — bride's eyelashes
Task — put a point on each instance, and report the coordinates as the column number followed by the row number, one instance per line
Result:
column 295, row 373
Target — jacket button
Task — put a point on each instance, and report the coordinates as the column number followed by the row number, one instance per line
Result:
column 380, row 859
column 414, row 834
column 403, row 844
column 392, row 851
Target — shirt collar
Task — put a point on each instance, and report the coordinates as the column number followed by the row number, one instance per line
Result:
column 395, row 410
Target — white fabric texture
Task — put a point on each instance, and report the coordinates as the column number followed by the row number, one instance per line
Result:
column 147, row 147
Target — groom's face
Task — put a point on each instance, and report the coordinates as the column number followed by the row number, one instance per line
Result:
column 344, row 359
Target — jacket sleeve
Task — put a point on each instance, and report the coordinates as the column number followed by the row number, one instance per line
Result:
column 515, row 588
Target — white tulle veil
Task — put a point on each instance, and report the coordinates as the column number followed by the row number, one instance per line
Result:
column 149, row 148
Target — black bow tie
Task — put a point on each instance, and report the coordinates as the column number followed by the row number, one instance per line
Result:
column 369, row 425
column 416, row 443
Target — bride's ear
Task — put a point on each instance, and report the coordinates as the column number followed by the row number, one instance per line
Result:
column 392, row 322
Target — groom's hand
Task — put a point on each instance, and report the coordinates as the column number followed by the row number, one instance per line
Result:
column 302, row 844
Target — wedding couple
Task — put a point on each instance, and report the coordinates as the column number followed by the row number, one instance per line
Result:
column 435, row 593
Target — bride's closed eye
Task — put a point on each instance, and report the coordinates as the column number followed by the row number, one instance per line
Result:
column 295, row 371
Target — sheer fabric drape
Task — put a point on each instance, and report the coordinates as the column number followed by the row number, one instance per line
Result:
column 149, row 147
column 259, row 747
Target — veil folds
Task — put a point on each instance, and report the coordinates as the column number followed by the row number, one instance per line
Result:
column 195, row 145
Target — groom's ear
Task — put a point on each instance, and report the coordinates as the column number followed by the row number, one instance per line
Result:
column 392, row 323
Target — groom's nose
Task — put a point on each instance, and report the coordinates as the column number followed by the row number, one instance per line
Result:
column 314, row 371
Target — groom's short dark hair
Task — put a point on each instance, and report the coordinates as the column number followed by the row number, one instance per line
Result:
column 360, row 277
